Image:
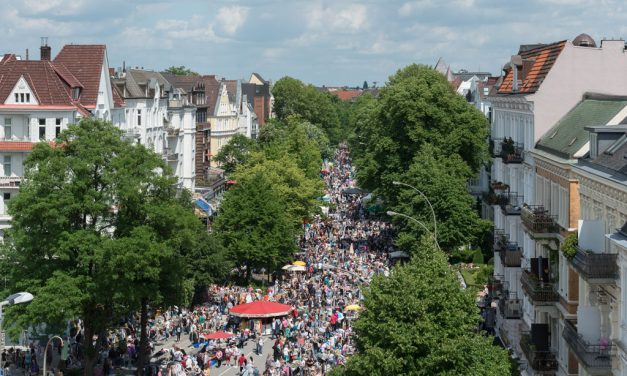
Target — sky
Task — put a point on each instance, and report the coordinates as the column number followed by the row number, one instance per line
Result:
column 321, row 42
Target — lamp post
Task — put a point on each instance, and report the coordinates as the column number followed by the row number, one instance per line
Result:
column 20, row 297
column 435, row 222
column 46, row 351
column 393, row 213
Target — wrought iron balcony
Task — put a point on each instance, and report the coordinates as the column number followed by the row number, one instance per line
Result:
column 596, row 359
column 595, row 267
column 539, row 360
column 500, row 239
column 512, row 152
column 510, row 308
column 511, row 203
column 540, row 292
column 538, row 221
column 511, row 255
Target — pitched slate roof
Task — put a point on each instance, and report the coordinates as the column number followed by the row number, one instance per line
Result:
column 568, row 135
column 543, row 58
column 85, row 62
column 41, row 77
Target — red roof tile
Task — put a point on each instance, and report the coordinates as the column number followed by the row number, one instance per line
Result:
column 41, row 77
column 85, row 62
column 543, row 58
column 346, row 95
column 16, row 146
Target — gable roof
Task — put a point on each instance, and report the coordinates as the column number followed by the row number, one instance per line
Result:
column 41, row 77
column 85, row 62
column 569, row 135
column 543, row 58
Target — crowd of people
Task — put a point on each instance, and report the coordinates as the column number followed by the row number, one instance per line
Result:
column 342, row 251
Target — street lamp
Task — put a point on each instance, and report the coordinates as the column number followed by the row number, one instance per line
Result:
column 46, row 351
column 435, row 222
column 393, row 213
column 20, row 297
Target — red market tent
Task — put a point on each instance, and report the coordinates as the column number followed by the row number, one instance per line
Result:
column 261, row 309
column 217, row 335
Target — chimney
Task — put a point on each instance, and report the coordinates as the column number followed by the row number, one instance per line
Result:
column 27, row 54
column 45, row 49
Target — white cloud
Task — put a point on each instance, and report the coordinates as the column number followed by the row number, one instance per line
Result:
column 351, row 18
column 55, row 7
column 273, row 53
column 231, row 18
column 410, row 7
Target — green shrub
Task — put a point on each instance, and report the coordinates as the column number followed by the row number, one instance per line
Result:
column 569, row 247
column 477, row 257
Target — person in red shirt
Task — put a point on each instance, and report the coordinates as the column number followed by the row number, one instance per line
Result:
column 241, row 361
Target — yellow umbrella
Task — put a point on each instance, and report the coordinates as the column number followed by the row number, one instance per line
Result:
column 299, row 263
column 353, row 307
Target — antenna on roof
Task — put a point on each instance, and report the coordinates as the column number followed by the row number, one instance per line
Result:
column 44, row 41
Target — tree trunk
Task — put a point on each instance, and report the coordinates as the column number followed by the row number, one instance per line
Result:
column 90, row 352
column 143, row 339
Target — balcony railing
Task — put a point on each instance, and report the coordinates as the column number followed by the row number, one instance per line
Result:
column 500, row 239
column 512, row 152
column 511, row 203
column 171, row 156
column 537, row 220
column 511, row 255
column 495, row 285
column 538, row 291
column 171, row 130
column 595, row 266
column 10, row 181
column 539, row 360
column 597, row 359
column 510, row 308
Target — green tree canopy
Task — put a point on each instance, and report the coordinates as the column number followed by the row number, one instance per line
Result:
column 181, row 70
column 253, row 225
column 87, row 237
column 236, row 152
column 293, row 98
column 418, row 321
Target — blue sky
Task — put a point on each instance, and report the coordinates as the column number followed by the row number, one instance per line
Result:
column 321, row 42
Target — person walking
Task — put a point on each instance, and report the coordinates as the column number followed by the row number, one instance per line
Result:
column 259, row 346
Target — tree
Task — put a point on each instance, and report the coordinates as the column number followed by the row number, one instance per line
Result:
column 417, row 108
column 293, row 98
column 85, row 236
column 181, row 70
column 236, row 152
column 441, row 178
column 365, row 85
column 253, row 225
column 419, row 322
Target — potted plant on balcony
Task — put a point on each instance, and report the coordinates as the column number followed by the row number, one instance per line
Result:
column 569, row 247
column 499, row 186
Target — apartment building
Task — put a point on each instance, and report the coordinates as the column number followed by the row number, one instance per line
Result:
column 540, row 86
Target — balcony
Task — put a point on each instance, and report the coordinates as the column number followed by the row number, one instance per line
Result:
column 512, row 152
column 10, row 181
column 496, row 285
column 540, row 292
column 511, row 254
column 596, row 359
column 171, row 156
column 539, row 360
column 510, row 307
column 132, row 133
column 595, row 267
column 171, row 130
column 538, row 222
column 510, row 203
column 500, row 239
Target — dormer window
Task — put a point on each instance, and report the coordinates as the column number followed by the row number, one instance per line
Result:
column 76, row 92
column 22, row 97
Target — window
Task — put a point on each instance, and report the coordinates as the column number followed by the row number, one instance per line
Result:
column 57, row 132
column 76, row 92
column 42, row 121
column 42, row 133
column 6, row 196
column 8, row 121
column 139, row 117
column 28, row 97
column 17, row 98
column 8, row 134
column 58, row 121
column 7, row 165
